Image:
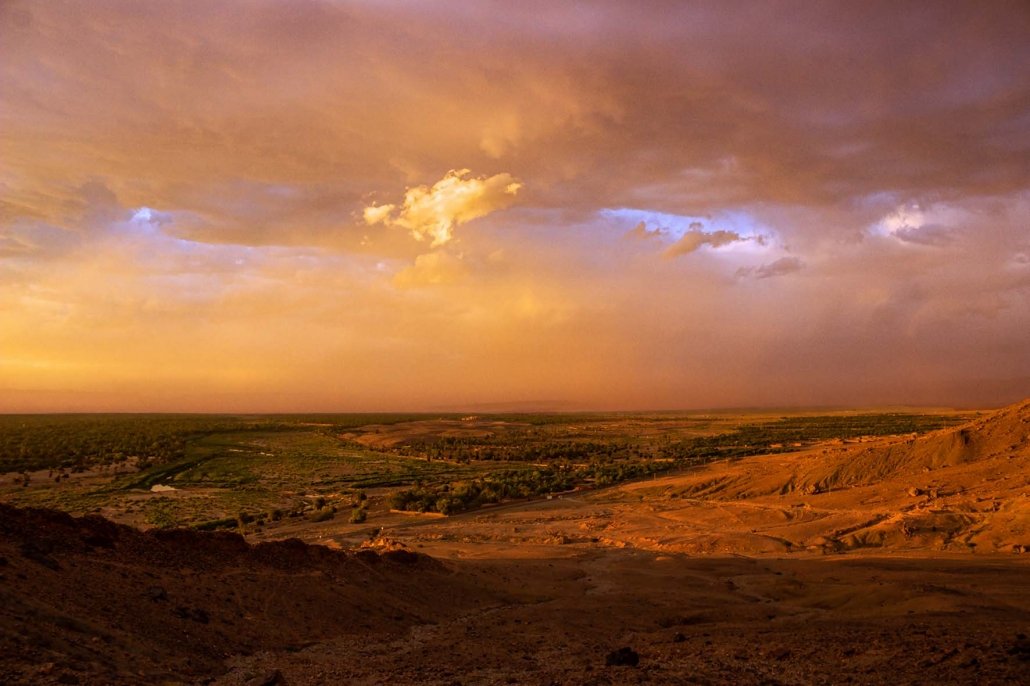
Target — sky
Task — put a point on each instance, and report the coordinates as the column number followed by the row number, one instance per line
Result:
column 333, row 205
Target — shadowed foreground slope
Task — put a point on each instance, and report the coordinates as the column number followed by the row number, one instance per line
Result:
column 91, row 599
column 88, row 602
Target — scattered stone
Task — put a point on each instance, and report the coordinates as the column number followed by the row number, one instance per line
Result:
column 780, row 654
column 366, row 555
column 156, row 593
column 915, row 492
column 381, row 543
column 68, row 678
column 679, row 638
column 271, row 678
column 196, row 614
column 623, row 657
column 1020, row 649
column 404, row 557
column 33, row 551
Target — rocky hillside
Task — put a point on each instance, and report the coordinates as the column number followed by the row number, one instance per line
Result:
column 965, row 489
column 86, row 600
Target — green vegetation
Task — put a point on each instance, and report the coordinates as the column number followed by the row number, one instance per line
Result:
column 323, row 514
column 450, row 498
column 588, row 462
column 795, row 433
column 256, row 471
column 81, row 441
column 77, row 442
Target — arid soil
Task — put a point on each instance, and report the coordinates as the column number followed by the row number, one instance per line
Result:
column 961, row 490
column 901, row 561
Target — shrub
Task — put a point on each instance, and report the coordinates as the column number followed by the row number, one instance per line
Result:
column 323, row 515
column 226, row 523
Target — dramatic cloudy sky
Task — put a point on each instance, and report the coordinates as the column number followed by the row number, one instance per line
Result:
column 356, row 205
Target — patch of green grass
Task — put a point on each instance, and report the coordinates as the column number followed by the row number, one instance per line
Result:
column 254, row 472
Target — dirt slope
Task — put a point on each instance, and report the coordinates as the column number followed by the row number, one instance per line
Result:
column 961, row 489
column 89, row 599
column 88, row 602
column 1004, row 435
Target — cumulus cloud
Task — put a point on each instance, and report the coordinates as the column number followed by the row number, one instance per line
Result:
column 641, row 231
column 696, row 238
column 375, row 214
column 815, row 107
column 780, row 267
column 808, row 126
column 433, row 212
column 935, row 225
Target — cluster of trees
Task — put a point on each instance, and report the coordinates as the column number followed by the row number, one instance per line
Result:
column 790, row 433
column 40, row 442
column 319, row 509
column 506, row 448
column 76, row 442
column 450, row 498
column 574, row 464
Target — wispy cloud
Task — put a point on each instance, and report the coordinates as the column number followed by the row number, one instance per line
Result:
column 697, row 238
column 780, row 267
column 641, row 231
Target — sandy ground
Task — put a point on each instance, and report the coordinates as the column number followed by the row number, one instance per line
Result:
column 708, row 621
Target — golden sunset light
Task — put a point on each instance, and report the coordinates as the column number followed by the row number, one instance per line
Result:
column 333, row 205
column 480, row 343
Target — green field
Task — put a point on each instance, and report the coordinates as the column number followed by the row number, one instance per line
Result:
column 247, row 471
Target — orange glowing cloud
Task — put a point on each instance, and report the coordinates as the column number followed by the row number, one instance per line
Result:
column 681, row 207
column 432, row 213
